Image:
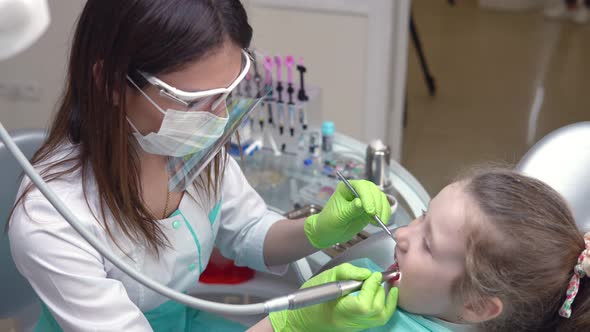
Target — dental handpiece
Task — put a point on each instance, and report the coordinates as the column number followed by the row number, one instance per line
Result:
column 323, row 293
column 375, row 217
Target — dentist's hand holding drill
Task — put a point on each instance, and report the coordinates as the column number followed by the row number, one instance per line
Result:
column 343, row 217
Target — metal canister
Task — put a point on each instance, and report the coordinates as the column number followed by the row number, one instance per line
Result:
column 377, row 162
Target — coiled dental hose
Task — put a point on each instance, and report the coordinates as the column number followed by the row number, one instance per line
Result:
column 299, row 299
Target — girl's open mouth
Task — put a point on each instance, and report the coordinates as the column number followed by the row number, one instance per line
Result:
column 394, row 281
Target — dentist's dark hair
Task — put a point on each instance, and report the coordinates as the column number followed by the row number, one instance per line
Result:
column 115, row 38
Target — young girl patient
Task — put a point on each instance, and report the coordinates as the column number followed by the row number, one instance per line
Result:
column 496, row 251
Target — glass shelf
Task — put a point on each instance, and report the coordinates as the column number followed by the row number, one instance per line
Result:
column 285, row 183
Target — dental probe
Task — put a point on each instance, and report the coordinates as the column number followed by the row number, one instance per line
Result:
column 323, row 293
column 375, row 217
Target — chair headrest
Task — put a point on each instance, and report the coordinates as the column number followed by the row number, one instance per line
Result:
column 562, row 160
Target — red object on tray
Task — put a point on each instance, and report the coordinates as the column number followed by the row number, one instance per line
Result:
column 221, row 270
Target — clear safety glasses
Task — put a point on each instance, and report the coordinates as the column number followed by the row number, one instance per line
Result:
column 207, row 100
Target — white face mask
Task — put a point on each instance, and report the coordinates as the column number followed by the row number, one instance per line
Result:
column 181, row 133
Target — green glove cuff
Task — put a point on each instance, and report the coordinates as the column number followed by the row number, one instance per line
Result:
column 278, row 320
column 351, row 313
column 310, row 231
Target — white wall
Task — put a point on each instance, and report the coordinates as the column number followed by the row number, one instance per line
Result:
column 41, row 67
column 333, row 64
column 355, row 51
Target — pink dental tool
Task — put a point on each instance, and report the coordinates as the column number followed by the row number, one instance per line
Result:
column 289, row 63
column 257, row 83
column 278, row 63
column 281, row 106
column 267, row 64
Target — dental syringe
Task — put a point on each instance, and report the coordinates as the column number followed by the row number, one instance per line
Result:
column 268, row 64
column 323, row 293
column 302, row 94
column 280, row 105
column 289, row 63
column 258, row 83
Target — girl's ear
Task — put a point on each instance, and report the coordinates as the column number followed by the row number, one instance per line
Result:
column 482, row 312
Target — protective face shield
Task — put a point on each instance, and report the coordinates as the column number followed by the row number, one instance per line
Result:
column 191, row 134
column 184, row 170
column 21, row 23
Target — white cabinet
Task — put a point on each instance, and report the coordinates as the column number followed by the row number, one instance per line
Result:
column 355, row 51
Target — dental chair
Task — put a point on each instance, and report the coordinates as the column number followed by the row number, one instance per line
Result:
column 17, row 299
column 561, row 159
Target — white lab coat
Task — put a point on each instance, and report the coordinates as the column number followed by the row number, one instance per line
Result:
column 85, row 292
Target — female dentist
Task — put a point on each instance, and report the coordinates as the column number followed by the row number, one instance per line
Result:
column 145, row 97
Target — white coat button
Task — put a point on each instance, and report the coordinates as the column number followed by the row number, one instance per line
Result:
column 176, row 224
column 192, row 267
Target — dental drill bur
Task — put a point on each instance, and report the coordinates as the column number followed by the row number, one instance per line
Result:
column 375, row 217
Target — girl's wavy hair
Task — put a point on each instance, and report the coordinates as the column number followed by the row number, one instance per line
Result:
column 523, row 251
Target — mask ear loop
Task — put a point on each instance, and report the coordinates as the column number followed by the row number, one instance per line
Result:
column 132, row 126
column 146, row 96
column 219, row 100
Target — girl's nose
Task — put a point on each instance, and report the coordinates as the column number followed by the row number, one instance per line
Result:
column 401, row 238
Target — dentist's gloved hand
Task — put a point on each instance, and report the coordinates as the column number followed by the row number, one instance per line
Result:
column 351, row 313
column 345, row 215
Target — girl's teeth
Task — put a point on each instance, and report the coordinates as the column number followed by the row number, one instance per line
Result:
column 393, row 267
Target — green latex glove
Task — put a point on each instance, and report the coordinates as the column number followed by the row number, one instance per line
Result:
column 345, row 215
column 354, row 312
